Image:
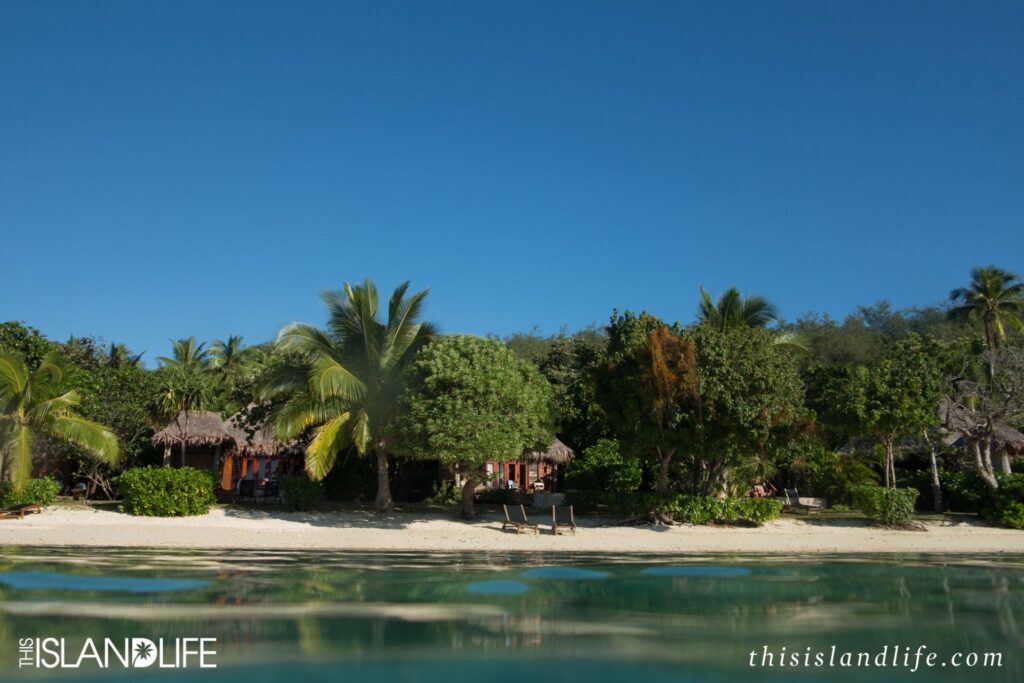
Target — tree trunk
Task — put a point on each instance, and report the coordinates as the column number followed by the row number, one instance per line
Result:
column 986, row 475
column 1004, row 462
column 936, row 482
column 383, row 503
column 182, row 456
column 468, row 493
column 664, row 460
column 167, row 455
column 890, row 468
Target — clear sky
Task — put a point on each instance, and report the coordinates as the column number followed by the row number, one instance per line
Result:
column 179, row 168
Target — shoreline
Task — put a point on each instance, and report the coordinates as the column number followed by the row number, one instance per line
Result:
column 228, row 528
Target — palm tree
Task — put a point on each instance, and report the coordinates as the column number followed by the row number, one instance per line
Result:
column 733, row 309
column 120, row 356
column 185, row 383
column 187, row 354
column 752, row 310
column 996, row 297
column 350, row 376
column 227, row 356
column 32, row 405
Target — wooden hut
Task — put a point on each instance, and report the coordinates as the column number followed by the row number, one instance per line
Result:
column 205, row 440
column 539, row 467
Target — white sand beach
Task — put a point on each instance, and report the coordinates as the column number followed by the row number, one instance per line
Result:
column 440, row 531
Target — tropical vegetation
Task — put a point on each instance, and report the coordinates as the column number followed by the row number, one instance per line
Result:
column 663, row 416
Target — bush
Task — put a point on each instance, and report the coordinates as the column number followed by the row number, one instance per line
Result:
column 689, row 509
column 39, row 491
column 444, row 493
column 890, row 507
column 963, row 491
column 495, row 496
column 166, row 491
column 1008, row 507
column 602, row 468
column 301, row 494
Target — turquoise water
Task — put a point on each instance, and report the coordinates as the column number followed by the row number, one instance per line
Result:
column 335, row 616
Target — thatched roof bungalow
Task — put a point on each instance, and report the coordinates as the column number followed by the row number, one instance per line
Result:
column 536, row 471
column 205, row 440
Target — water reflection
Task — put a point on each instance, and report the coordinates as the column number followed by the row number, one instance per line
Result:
column 679, row 615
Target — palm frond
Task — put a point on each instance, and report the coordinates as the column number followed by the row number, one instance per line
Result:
column 322, row 451
column 93, row 438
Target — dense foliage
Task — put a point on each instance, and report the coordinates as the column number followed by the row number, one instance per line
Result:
column 166, row 491
column 888, row 506
column 470, row 400
column 301, row 494
column 39, row 491
column 931, row 398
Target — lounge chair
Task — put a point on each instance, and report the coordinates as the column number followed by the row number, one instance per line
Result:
column 20, row 511
column 562, row 520
column 793, row 503
column 517, row 520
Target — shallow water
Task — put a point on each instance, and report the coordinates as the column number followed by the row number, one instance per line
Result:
column 309, row 616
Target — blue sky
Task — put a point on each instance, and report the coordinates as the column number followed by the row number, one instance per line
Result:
column 179, row 168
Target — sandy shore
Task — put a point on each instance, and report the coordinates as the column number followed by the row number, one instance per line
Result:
column 438, row 531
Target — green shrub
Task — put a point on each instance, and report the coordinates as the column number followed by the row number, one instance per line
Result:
column 1008, row 507
column 39, row 491
column 890, row 507
column 602, row 468
column 166, row 491
column 963, row 491
column 681, row 508
column 444, row 493
column 1011, row 515
column 301, row 494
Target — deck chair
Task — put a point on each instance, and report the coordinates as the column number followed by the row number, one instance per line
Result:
column 20, row 511
column 562, row 520
column 517, row 520
column 793, row 503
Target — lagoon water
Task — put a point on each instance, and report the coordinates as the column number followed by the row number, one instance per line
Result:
column 293, row 617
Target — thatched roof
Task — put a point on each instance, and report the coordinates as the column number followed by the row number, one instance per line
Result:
column 208, row 430
column 201, row 429
column 956, row 419
column 262, row 443
column 558, row 454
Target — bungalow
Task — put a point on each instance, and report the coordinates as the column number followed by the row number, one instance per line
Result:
column 536, row 471
column 204, row 440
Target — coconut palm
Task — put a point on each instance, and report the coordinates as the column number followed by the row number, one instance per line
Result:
column 227, row 355
column 752, row 310
column 996, row 297
column 185, row 382
column 32, row 406
column 733, row 309
column 187, row 354
column 349, row 379
column 120, row 356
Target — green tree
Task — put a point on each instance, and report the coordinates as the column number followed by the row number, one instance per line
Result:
column 601, row 467
column 750, row 407
column 34, row 404
column 648, row 389
column 186, row 354
column 25, row 342
column 469, row 400
column 996, row 298
column 349, row 378
column 894, row 398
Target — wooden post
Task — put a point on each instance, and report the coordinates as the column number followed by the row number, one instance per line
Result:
column 167, row 455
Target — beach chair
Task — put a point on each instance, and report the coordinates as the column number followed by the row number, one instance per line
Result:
column 562, row 520
column 793, row 503
column 20, row 511
column 517, row 520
